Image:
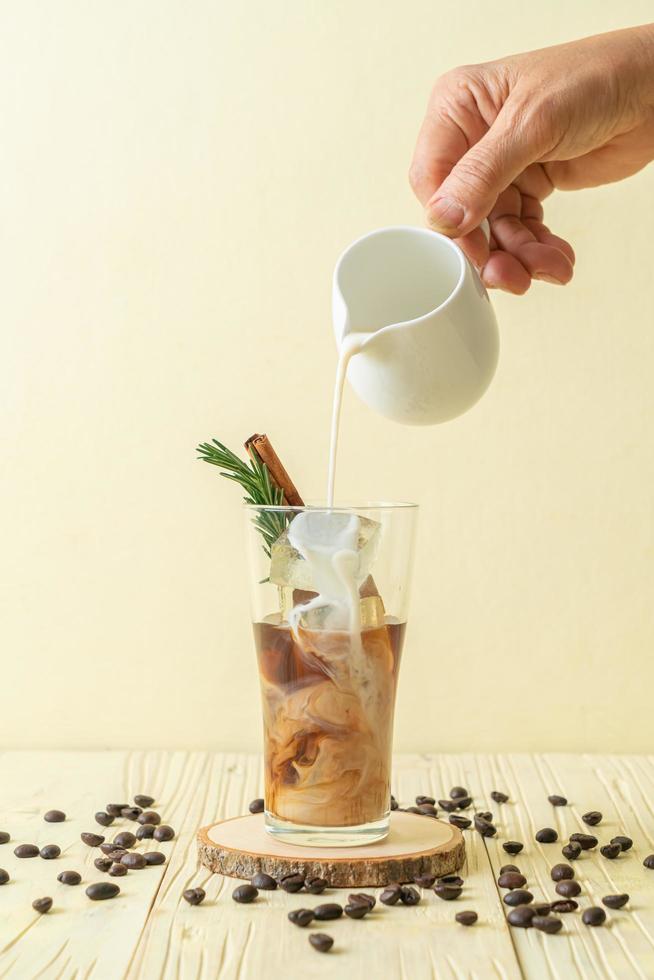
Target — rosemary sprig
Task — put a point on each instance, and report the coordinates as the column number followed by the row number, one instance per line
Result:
column 254, row 477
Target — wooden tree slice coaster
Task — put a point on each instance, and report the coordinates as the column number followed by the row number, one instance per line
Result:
column 415, row 846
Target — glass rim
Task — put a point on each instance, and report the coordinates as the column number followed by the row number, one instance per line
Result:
column 340, row 508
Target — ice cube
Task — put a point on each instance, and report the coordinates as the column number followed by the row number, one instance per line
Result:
column 322, row 534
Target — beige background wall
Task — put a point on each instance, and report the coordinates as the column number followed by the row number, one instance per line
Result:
column 176, row 182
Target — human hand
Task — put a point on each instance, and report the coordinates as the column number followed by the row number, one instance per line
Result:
column 498, row 138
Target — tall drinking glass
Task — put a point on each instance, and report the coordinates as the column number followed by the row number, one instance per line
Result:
column 329, row 590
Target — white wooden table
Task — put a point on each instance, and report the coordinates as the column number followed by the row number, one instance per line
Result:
column 150, row 932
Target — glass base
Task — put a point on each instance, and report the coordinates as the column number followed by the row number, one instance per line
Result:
column 307, row 836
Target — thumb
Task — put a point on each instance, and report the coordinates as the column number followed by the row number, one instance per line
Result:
column 469, row 193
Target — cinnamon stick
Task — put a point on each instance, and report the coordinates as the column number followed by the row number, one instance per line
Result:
column 259, row 447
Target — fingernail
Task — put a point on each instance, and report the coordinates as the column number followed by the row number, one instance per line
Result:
column 445, row 214
column 543, row 277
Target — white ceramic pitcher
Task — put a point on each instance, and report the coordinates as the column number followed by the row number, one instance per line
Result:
column 433, row 340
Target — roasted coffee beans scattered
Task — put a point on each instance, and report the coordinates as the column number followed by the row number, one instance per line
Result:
column 103, row 863
column 257, row 806
column 131, row 812
column 321, row 941
column 107, row 847
column 93, row 840
column 149, row 816
column 571, row 851
column 104, row 819
column 145, row 831
column 541, row 908
column 592, row 818
column 586, row 841
column 133, row 860
column 50, row 851
column 244, row 894
column 42, row 905
column 449, row 805
column 4, row 837
column 450, row 880
column 463, row 802
column 154, row 857
column 511, row 879
column 117, row 870
column 625, row 842
column 512, row 846
column 648, row 862
column 300, row 917
column 499, row 797
column 116, row 853
column 565, row 905
column 593, row 916
column 519, row 896
column 330, row 910
column 125, row 839
column 69, row 877
column 315, row 886
column 425, row 881
column 547, row 923
column 292, row 883
column 391, row 895
column 362, row 898
column 263, row 882
column 4, row 876
column 557, row 800
column 484, row 827
column 142, row 800
column 615, row 901
column 428, row 810
column 509, row 867
column 26, row 851
column 447, row 892
column 194, row 896
column 409, row 895
column 356, row 910
column 163, row 832
column 458, row 821
column 521, row 916
column 547, row 835
column 466, row 918
column 610, row 851
column 457, row 792
column 568, row 888
column 101, row 890
column 115, row 809
column 561, row 871
column 424, row 799
column 54, row 816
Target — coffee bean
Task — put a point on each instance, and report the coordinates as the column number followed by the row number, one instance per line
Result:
column 107, row 847
column 625, row 842
column 466, row 918
column 133, row 860
column 101, row 890
column 425, row 881
column 541, row 908
column 115, row 809
column 54, row 816
column 244, row 894
column 394, row 803
column 593, row 916
column 565, row 905
column 116, row 854
column 263, row 882
column 321, row 941
column 142, row 800
column 103, row 863
column 557, row 800
column 131, row 812
column 463, row 802
column 125, row 839
column 425, row 799
column 391, row 895
column 571, row 851
column 26, row 851
column 519, row 896
column 409, row 895
column 300, row 917
column 69, row 877
column 292, row 883
column 315, row 886
column 50, row 851
column 511, row 879
column 4, row 837
column 361, row 898
column 483, row 826
column 561, row 871
column 615, row 901
column 447, row 892
column 93, row 840
column 4, row 876
column 456, row 880
column 149, row 816
column 499, row 797
column 428, row 810
column 547, row 835
column 512, row 846
column 117, row 870
column 42, row 905
column 485, row 815
column 457, row 792
column 330, row 910
column 163, row 832
column 410, row 809
column 568, row 888
column 648, row 862
column 586, row 841
column 449, row 805
column 521, row 916
column 154, row 858
column 546, row 923
column 611, row 851
column 104, row 819
column 458, row 821
column 509, row 867
column 145, row 831
column 257, row 806
column 592, row 818
column 356, row 910
column 194, row 896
